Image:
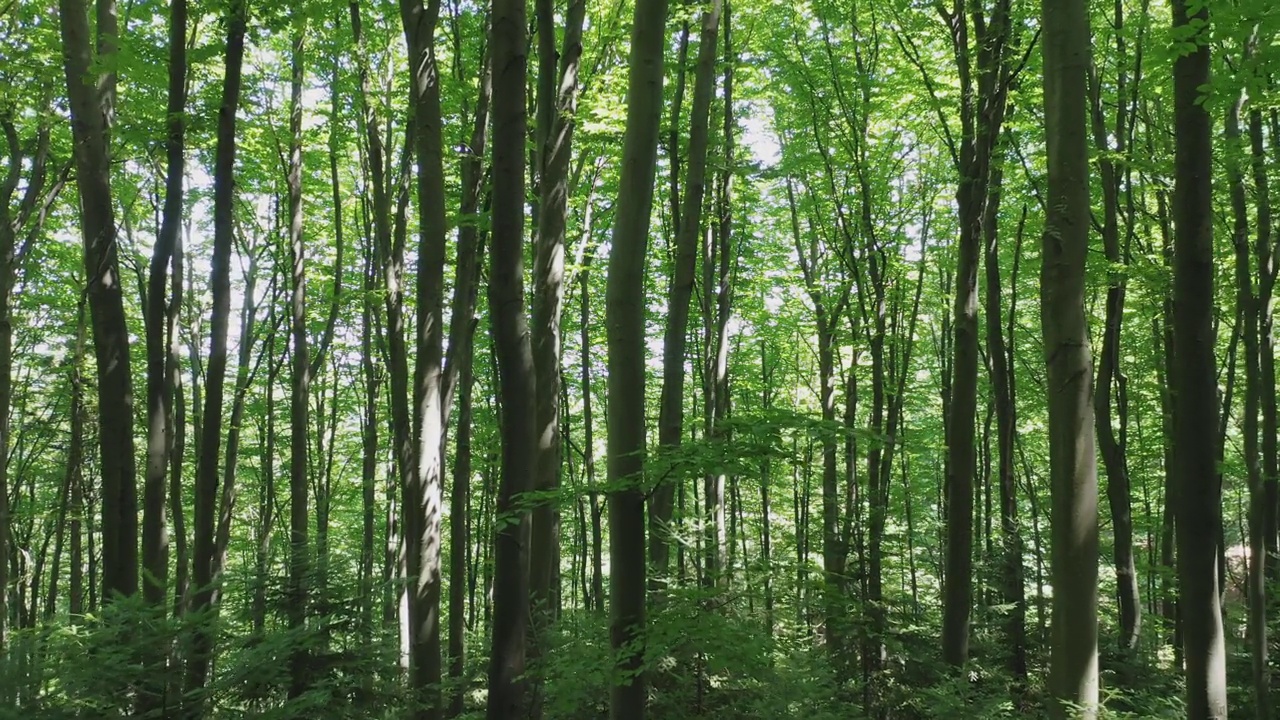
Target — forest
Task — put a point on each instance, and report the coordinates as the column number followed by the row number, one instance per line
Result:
column 735, row 359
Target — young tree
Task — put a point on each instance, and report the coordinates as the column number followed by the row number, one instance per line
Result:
column 671, row 407
column 210, row 433
column 624, row 318
column 300, row 382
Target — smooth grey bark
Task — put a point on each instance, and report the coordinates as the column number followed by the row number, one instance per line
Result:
column 985, row 72
column 1194, row 375
column 1073, row 668
column 625, row 329
column 155, row 550
column 1256, row 577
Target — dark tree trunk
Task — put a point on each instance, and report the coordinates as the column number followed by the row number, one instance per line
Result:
column 91, row 104
column 211, row 430
column 300, row 382
column 557, row 103
column 624, row 319
column 1199, row 503
column 516, row 374
column 688, row 225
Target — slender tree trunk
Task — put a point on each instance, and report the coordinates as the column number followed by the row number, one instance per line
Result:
column 91, row 106
column 1194, row 375
column 624, row 319
column 516, row 374
column 300, row 382
column 689, row 224
column 423, row 495
column 1072, row 461
column 211, row 430
column 557, row 103
column 588, row 438
column 1256, row 585
column 766, row 545
column 460, row 534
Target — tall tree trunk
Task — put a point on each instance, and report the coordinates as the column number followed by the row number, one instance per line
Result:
column 216, row 369
column 460, row 534
column 557, row 103
column 624, row 319
column 75, row 460
column 155, row 549
column 982, row 110
column 91, row 104
column 1072, row 461
column 516, row 374
column 1112, row 451
column 689, row 219
column 1256, row 585
column 1196, row 403
column 588, row 432
column 10, row 258
column 300, row 382
column 458, row 378
column 423, row 495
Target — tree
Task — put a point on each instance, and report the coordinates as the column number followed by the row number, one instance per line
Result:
column 422, row 496
column 624, row 318
column 92, row 101
column 515, row 365
column 206, row 499
column 1069, row 376
column 1194, row 372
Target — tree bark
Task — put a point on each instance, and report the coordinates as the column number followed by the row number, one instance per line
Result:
column 689, row 224
column 557, row 104
column 300, row 382
column 624, row 320
column 982, row 110
column 1072, row 462
column 90, row 126
column 206, row 500
column 423, row 494
column 516, row 374
column 1194, row 375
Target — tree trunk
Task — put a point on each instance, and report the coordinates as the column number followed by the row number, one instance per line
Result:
column 1255, row 584
column 1196, row 403
column 300, row 382
column 624, row 319
column 1073, row 670
column 211, row 430
column 1112, row 451
column 671, row 407
column 460, row 535
column 557, row 103
column 423, row 494
column 90, row 104
column 516, row 373
column 588, row 434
